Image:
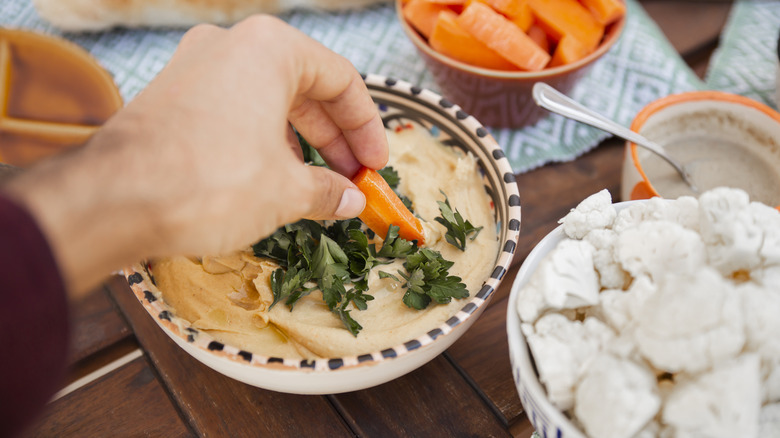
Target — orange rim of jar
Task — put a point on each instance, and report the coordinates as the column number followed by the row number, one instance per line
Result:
column 644, row 189
column 615, row 29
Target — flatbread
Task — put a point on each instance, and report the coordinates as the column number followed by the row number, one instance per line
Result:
column 93, row 15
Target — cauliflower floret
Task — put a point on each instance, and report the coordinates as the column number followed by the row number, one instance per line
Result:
column 729, row 230
column 560, row 348
column 595, row 212
column 684, row 211
column 761, row 309
column 651, row 430
column 627, row 397
column 656, row 248
column 768, row 219
column 611, row 274
column 691, row 322
column 620, row 308
column 724, row 402
column 565, row 279
column 769, row 421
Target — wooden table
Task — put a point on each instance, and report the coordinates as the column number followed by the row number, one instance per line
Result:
column 128, row 378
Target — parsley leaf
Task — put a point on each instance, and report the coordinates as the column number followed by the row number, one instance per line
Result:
column 383, row 275
column 458, row 229
column 428, row 279
column 390, row 175
column 310, row 155
column 395, row 246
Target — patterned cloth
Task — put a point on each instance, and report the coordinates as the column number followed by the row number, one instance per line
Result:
column 642, row 67
column 746, row 60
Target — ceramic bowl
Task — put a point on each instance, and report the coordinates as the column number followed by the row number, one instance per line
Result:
column 502, row 99
column 702, row 116
column 399, row 102
column 55, row 95
column 548, row 420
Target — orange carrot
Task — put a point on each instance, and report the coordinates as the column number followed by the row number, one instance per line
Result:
column 605, row 11
column 422, row 15
column 510, row 8
column 539, row 36
column 569, row 50
column 449, row 39
column 523, row 17
column 504, row 37
column 562, row 17
column 384, row 208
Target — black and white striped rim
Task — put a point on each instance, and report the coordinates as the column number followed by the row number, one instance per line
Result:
column 398, row 102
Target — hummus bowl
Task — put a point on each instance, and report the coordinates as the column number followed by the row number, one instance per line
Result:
column 399, row 104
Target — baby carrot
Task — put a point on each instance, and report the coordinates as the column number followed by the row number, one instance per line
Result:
column 384, row 208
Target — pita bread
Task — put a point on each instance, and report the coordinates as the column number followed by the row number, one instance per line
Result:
column 93, row 15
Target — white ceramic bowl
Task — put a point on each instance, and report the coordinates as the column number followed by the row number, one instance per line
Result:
column 548, row 420
column 398, row 103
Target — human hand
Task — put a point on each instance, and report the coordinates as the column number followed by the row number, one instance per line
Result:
column 203, row 161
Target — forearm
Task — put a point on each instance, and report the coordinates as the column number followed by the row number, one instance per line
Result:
column 91, row 227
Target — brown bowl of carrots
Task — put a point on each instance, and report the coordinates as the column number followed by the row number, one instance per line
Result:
column 486, row 55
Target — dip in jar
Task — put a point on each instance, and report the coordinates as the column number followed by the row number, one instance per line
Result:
column 729, row 140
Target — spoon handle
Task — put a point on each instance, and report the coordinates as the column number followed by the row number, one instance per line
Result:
column 553, row 100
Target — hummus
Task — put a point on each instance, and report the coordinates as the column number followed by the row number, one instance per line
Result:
column 229, row 296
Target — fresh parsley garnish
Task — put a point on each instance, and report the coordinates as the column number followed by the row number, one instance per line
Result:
column 310, row 155
column 458, row 229
column 427, row 279
column 337, row 259
column 395, row 246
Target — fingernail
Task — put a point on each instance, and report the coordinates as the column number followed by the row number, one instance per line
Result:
column 352, row 203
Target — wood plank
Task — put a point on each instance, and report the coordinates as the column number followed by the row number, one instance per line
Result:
column 482, row 353
column 215, row 405
column 95, row 324
column 127, row 402
column 433, row 401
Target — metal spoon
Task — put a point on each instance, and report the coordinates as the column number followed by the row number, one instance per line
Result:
column 553, row 100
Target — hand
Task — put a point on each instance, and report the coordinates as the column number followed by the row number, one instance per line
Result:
column 204, row 161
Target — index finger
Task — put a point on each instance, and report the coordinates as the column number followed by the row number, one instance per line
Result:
column 335, row 113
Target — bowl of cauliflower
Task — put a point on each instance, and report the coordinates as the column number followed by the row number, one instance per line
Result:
column 652, row 318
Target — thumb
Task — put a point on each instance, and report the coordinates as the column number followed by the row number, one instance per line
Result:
column 334, row 196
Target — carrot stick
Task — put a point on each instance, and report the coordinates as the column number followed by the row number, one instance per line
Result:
column 561, row 17
column 449, row 39
column 605, row 11
column 504, row 37
column 569, row 50
column 384, row 208
column 422, row 15
column 540, row 37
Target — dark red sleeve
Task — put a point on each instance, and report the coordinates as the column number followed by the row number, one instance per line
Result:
column 33, row 320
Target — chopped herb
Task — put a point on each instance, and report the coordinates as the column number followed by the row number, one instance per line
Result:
column 458, row 229
column 343, row 254
column 310, row 155
column 390, row 175
column 428, row 278
column 395, row 246
column 383, row 275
